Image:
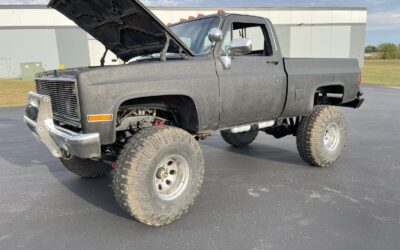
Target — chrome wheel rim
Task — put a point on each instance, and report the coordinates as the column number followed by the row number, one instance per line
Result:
column 332, row 137
column 171, row 177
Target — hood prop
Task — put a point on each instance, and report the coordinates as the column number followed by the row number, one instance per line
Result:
column 103, row 58
column 163, row 53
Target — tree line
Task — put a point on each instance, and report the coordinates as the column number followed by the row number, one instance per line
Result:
column 385, row 51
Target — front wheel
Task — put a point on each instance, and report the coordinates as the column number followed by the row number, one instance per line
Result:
column 321, row 136
column 159, row 175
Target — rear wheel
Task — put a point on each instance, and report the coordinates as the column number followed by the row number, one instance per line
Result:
column 159, row 175
column 239, row 140
column 321, row 136
column 85, row 168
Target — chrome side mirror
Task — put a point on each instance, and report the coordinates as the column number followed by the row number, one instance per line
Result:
column 238, row 47
column 215, row 35
column 226, row 61
column 241, row 47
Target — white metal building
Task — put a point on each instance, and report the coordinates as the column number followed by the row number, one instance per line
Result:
column 38, row 34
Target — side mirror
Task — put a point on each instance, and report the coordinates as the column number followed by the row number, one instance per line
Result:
column 215, row 35
column 241, row 47
column 238, row 47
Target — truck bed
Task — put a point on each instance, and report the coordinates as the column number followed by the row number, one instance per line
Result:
column 305, row 76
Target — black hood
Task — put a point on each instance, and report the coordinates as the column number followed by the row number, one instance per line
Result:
column 126, row 27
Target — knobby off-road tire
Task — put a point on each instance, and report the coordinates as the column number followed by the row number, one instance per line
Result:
column 239, row 140
column 86, row 168
column 322, row 136
column 159, row 175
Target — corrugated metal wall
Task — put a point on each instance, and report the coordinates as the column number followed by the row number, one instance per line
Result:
column 51, row 47
column 323, row 41
column 73, row 49
column 357, row 38
column 27, row 45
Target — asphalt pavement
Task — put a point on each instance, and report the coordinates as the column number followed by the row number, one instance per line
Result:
column 261, row 197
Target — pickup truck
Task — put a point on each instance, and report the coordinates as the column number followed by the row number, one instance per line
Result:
column 143, row 119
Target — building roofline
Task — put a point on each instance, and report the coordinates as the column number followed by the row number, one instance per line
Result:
column 22, row 6
column 204, row 8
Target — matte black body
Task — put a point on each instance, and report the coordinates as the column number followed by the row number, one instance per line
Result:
column 253, row 90
column 305, row 76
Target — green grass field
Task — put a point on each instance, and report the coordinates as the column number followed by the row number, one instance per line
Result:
column 385, row 72
column 13, row 92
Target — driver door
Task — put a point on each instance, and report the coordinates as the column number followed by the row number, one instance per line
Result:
column 253, row 88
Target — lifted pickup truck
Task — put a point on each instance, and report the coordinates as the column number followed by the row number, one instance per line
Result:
column 179, row 83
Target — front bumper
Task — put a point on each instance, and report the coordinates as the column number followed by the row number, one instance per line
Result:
column 55, row 138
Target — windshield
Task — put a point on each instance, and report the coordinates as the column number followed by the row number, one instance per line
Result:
column 195, row 33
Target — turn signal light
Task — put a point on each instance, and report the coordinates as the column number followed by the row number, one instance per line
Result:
column 191, row 18
column 100, row 118
column 360, row 79
column 200, row 15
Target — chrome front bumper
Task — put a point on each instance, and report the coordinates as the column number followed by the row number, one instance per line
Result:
column 58, row 139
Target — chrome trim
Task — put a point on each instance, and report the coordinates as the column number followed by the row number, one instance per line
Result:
column 60, row 117
column 58, row 139
column 226, row 61
column 171, row 177
column 241, row 47
column 215, row 35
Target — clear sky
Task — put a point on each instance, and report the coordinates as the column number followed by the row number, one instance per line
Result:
column 383, row 15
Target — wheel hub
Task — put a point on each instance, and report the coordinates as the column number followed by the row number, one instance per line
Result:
column 332, row 137
column 171, row 177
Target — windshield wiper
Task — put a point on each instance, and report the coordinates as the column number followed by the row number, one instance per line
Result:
column 158, row 56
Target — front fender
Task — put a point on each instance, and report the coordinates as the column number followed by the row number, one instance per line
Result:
column 107, row 130
column 103, row 90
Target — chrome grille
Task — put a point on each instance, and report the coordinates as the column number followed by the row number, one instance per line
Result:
column 64, row 99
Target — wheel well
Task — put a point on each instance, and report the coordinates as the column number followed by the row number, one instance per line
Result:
column 329, row 95
column 177, row 108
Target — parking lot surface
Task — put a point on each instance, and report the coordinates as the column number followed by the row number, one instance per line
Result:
column 261, row 197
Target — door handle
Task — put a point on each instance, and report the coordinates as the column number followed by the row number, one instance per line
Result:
column 273, row 62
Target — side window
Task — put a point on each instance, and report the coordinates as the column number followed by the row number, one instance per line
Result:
column 257, row 33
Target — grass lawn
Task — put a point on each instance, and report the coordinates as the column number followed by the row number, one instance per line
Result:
column 386, row 72
column 13, row 92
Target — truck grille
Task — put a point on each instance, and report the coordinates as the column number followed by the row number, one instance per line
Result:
column 64, row 99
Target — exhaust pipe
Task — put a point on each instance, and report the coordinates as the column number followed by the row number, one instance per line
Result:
column 241, row 129
column 246, row 128
column 268, row 124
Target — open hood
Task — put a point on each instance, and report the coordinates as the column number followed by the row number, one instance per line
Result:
column 125, row 27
